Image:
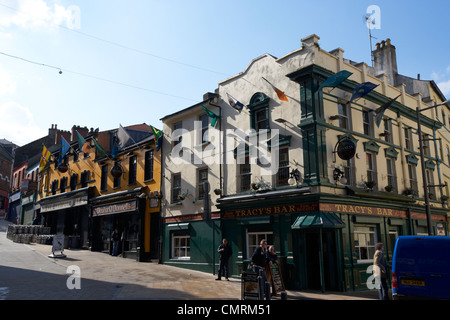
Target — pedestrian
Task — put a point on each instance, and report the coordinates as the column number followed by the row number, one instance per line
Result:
column 225, row 254
column 116, row 239
column 259, row 258
column 272, row 255
column 380, row 271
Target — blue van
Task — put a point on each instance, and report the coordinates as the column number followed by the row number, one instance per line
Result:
column 421, row 268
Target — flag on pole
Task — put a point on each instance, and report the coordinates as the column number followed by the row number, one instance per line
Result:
column 82, row 144
column 362, row 89
column 44, row 158
column 100, row 150
column 211, row 115
column 335, row 79
column 380, row 111
column 280, row 93
column 65, row 146
column 235, row 103
column 158, row 137
column 123, row 137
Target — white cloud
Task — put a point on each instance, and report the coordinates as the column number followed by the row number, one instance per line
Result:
column 18, row 124
column 443, row 80
column 7, row 84
column 445, row 87
column 37, row 14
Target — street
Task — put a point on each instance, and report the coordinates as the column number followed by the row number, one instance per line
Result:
column 27, row 273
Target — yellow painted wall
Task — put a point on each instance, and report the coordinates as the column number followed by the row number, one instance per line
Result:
column 90, row 164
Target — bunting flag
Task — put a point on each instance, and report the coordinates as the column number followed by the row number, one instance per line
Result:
column 158, row 137
column 82, row 144
column 235, row 103
column 336, row 79
column 44, row 158
column 212, row 115
column 100, row 150
column 380, row 111
column 280, row 93
column 362, row 89
column 65, row 147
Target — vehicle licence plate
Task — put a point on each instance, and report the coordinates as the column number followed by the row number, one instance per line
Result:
column 410, row 282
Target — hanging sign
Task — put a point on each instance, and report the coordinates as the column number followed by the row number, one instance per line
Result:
column 346, row 149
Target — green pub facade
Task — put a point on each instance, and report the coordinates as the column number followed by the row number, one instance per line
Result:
column 329, row 202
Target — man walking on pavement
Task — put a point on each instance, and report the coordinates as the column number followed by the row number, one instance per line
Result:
column 259, row 258
column 225, row 254
column 380, row 271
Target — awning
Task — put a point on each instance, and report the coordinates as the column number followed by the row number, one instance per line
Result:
column 310, row 220
column 65, row 200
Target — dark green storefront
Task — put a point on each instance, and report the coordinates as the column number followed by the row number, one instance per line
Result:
column 325, row 242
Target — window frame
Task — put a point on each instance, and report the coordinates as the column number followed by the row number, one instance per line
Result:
column 175, row 189
column 371, row 252
column 186, row 247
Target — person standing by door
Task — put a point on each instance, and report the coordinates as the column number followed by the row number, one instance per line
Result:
column 225, row 254
column 116, row 240
column 380, row 270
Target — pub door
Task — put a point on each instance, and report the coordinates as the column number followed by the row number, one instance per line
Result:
column 321, row 260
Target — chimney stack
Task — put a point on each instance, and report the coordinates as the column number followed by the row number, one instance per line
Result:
column 385, row 61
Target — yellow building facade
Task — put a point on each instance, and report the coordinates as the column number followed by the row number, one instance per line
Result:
column 92, row 192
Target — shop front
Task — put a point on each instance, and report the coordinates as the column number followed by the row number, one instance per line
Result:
column 68, row 214
column 324, row 243
column 124, row 211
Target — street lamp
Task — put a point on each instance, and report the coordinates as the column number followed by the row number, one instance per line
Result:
column 422, row 163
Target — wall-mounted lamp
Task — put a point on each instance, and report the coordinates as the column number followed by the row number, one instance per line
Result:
column 280, row 120
column 336, row 117
column 295, row 177
column 338, row 176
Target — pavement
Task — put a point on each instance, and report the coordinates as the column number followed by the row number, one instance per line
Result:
column 28, row 273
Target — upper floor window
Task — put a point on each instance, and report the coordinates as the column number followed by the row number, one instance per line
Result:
column 104, row 178
column 344, row 116
column 259, row 112
column 176, row 187
column 84, row 179
column 63, row 184
column 177, row 126
column 408, row 138
column 73, row 181
column 387, row 124
column 426, row 144
column 367, row 123
column 116, row 181
column 245, row 174
column 371, row 167
column 204, row 118
column 283, row 167
column 148, row 174
column 202, row 178
column 132, row 169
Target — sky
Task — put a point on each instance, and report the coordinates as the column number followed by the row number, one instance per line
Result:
column 105, row 63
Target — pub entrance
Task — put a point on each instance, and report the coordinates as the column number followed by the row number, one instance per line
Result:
column 320, row 256
column 321, row 260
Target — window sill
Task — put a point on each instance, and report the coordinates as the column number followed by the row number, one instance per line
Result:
column 175, row 204
column 202, row 145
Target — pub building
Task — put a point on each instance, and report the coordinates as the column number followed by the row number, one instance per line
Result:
column 93, row 192
column 325, row 242
column 346, row 179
